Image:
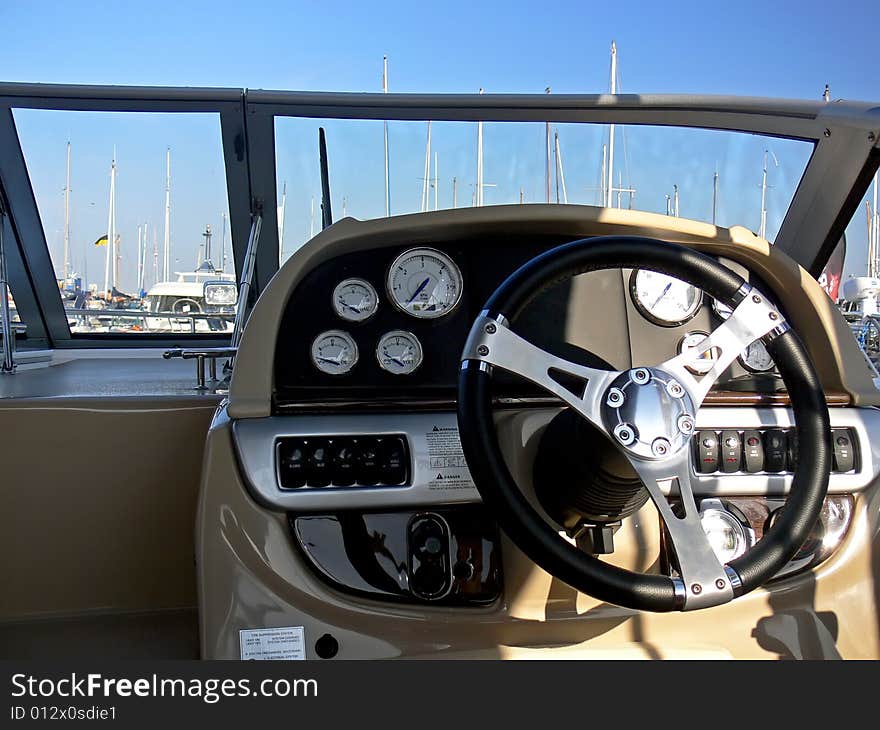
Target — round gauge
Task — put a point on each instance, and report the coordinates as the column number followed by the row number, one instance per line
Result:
column 722, row 311
column 706, row 361
column 399, row 352
column 663, row 299
column 355, row 300
column 334, row 352
column 425, row 283
column 756, row 359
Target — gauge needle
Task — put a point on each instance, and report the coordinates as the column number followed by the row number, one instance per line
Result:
column 398, row 361
column 419, row 290
column 662, row 294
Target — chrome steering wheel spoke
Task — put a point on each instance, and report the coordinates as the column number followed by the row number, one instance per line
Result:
column 492, row 343
column 752, row 319
column 702, row 580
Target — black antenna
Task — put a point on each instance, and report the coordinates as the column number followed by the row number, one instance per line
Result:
column 326, row 213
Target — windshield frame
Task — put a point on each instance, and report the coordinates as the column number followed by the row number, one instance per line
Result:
column 845, row 137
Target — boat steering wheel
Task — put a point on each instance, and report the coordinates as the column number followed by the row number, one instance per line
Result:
column 649, row 413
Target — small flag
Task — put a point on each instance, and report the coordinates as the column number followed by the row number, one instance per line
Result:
column 102, row 241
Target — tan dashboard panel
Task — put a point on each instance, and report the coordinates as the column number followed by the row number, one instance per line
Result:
column 835, row 353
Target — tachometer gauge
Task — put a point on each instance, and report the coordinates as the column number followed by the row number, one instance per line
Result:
column 355, row 300
column 334, row 352
column 399, row 352
column 705, row 362
column 756, row 359
column 662, row 299
column 424, row 283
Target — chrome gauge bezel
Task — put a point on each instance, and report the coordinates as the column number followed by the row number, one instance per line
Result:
column 743, row 360
column 701, row 370
column 420, row 353
column 354, row 281
column 652, row 318
column 424, row 251
column 341, row 334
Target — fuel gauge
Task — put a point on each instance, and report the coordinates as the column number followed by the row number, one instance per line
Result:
column 355, row 300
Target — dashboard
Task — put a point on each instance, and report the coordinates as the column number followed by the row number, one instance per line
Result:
column 387, row 325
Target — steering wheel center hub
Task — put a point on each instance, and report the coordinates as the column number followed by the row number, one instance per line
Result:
column 649, row 413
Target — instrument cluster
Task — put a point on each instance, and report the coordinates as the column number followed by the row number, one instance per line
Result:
column 422, row 283
column 669, row 302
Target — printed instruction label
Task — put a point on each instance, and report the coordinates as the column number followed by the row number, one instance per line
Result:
column 446, row 460
column 270, row 644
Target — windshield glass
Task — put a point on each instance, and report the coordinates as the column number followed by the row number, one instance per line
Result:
column 728, row 178
column 135, row 214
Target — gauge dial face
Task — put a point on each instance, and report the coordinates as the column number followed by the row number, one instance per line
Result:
column 756, row 359
column 355, row 300
column 663, row 299
column 334, row 352
column 424, row 283
column 399, row 352
column 706, row 361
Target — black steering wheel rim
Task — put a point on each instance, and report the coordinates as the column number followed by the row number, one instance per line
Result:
column 532, row 533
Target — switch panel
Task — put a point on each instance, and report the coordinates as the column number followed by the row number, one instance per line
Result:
column 766, row 450
column 342, row 461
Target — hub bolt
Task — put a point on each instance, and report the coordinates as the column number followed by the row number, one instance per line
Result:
column 615, row 398
column 674, row 389
column 719, row 584
column 696, row 589
column 660, row 447
column 491, row 329
column 756, row 299
column 482, row 351
column 686, row 424
column 640, row 376
column 624, row 433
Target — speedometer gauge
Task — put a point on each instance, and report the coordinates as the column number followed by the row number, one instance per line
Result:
column 424, row 283
column 662, row 299
column 355, row 300
column 334, row 352
column 399, row 352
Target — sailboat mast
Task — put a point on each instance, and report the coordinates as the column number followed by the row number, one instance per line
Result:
column 282, row 210
column 454, row 192
column 763, row 228
column 109, row 244
column 66, row 271
column 872, row 256
column 714, row 196
column 560, row 174
column 480, row 162
column 875, row 228
column 436, row 181
column 547, row 145
column 427, row 170
column 140, row 268
column 223, row 242
column 385, row 123
column 166, row 267
column 155, row 257
column 312, row 219
column 610, row 185
column 603, row 176
column 143, row 262
column 674, row 199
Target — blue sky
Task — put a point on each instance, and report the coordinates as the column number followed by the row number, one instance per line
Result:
column 785, row 49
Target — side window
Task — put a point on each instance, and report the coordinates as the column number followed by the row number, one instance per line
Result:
column 135, row 213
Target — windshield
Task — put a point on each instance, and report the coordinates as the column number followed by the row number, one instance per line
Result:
column 727, row 178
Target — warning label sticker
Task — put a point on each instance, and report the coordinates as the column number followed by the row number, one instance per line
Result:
column 270, row 644
column 446, row 459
